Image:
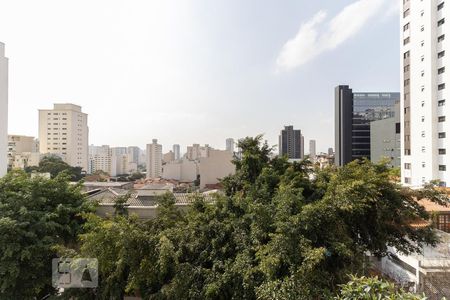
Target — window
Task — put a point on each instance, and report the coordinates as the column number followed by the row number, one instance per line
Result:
column 423, row 164
column 441, row 135
column 407, row 180
column 423, row 118
column 406, row 54
column 441, row 86
column 441, row 38
column 441, row 119
column 441, row 70
column 422, row 58
column 440, row 22
column 440, row 6
column 422, row 43
column 442, row 168
column 407, row 166
column 423, row 149
column 406, row 27
column 441, row 102
column 441, row 54
column 406, row 41
column 442, row 151
column 422, row 103
column 422, row 73
column 407, row 82
column 406, row 68
column 423, row 133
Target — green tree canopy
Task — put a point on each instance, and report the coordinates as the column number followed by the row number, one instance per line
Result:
column 281, row 231
column 36, row 215
column 55, row 165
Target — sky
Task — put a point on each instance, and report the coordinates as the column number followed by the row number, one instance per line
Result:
column 196, row 71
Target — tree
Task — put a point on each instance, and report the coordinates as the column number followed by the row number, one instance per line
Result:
column 36, row 215
column 364, row 288
column 55, row 165
column 281, row 231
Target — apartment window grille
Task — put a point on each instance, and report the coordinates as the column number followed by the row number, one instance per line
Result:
column 441, row 70
column 441, row 86
column 441, row 38
column 441, row 119
column 442, row 151
column 441, row 102
column 441, row 22
column 441, row 54
column 440, row 6
column 441, row 135
column 442, row 168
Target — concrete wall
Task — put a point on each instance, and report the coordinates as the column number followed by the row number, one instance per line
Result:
column 218, row 165
column 3, row 110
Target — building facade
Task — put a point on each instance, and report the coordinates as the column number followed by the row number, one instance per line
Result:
column 154, row 159
column 176, row 151
column 424, row 56
column 3, row 110
column 100, row 159
column 291, row 143
column 20, row 149
column 64, row 131
column 229, row 144
column 387, row 137
column 353, row 114
column 312, row 149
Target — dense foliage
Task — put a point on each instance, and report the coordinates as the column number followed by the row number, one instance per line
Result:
column 55, row 165
column 373, row 288
column 282, row 231
column 36, row 215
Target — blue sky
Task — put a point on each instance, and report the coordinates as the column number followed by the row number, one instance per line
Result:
column 196, row 71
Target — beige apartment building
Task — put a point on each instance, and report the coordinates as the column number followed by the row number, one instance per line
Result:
column 64, row 131
column 23, row 151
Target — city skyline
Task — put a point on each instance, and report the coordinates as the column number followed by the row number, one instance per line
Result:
column 130, row 72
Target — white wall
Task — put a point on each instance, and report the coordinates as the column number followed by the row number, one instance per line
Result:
column 217, row 166
column 3, row 110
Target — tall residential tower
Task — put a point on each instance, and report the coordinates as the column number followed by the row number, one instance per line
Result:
column 291, row 143
column 154, row 159
column 425, row 103
column 63, row 131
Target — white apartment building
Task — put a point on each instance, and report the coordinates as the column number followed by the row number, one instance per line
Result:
column 99, row 159
column 425, row 103
column 196, row 151
column 154, row 159
column 63, row 131
column 3, row 110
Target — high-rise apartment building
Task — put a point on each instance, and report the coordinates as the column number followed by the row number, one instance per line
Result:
column 100, row 159
column 20, row 148
column 229, row 144
column 3, row 110
column 312, row 149
column 154, row 159
column 291, row 143
column 353, row 114
column 64, row 131
column 196, row 151
column 425, row 98
column 176, row 151
column 133, row 154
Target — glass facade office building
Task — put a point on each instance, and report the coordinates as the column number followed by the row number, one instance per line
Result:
column 353, row 114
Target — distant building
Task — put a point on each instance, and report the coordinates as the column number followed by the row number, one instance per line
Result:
column 100, row 159
column 64, row 131
column 182, row 170
column 133, row 154
column 169, row 157
column 386, row 133
column 3, row 110
column 330, row 151
column 291, row 143
column 230, row 144
column 353, row 114
column 154, row 159
column 120, row 165
column 20, row 149
column 215, row 167
column 119, row 150
column 176, row 151
column 312, row 149
column 196, row 151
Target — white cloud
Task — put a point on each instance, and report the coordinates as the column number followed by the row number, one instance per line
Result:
column 319, row 35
